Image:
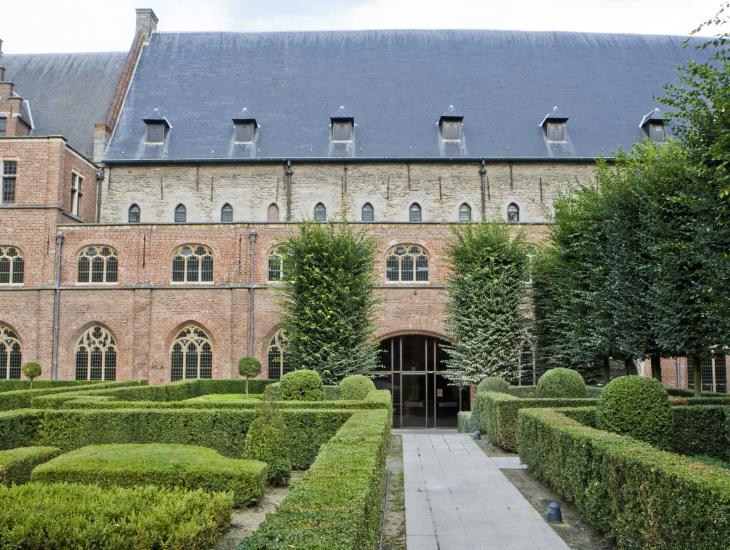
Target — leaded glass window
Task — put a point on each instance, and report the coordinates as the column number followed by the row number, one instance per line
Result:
column 12, row 266
column 465, row 213
column 134, row 214
column 368, row 212
column 276, row 266
column 181, row 213
column 227, row 213
column 414, row 213
column 320, row 213
column 513, row 213
column 191, row 355
column 97, row 264
column 96, row 355
column 407, row 263
column 277, row 358
column 192, row 264
column 10, row 354
column 9, row 174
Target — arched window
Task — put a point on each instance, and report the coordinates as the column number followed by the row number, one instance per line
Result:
column 414, row 213
column 277, row 357
column 368, row 212
column 191, row 355
column 96, row 355
column 407, row 263
column 97, row 264
column 227, row 213
column 181, row 213
column 513, row 213
column 10, row 355
column 12, row 266
column 276, row 266
column 465, row 213
column 134, row 214
column 192, row 263
column 320, row 213
column 272, row 214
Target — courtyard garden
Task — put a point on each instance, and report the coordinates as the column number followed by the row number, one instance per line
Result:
column 130, row 465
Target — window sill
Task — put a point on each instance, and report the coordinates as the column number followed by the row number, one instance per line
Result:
column 183, row 283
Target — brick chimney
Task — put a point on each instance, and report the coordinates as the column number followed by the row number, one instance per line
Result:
column 146, row 22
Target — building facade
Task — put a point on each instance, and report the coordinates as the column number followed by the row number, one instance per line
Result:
column 145, row 193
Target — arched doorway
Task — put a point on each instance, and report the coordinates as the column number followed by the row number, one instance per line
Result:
column 412, row 368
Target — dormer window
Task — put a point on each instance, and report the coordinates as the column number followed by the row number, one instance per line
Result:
column 342, row 129
column 451, row 128
column 157, row 127
column 245, row 130
column 653, row 125
column 553, row 124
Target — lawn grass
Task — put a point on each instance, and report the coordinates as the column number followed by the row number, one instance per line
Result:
column 162, row 465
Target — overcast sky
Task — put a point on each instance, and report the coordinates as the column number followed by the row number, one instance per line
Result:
column 98, row 25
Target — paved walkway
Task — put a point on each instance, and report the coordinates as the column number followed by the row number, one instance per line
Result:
column 457, row 499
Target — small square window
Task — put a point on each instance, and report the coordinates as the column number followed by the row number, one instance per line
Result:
column 342, row 130
column 245, row 131
column 155, row 132
column 451, row 129
column 556, row 131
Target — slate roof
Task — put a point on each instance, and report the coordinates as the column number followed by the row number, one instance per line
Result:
column 68, row 93
column 396, row 85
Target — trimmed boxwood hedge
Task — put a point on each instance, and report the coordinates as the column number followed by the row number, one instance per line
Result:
column 463, row 420
column 303, row 385
column 86, row 517
column 21, row 399
column 561, row 383
column 639, row 496
column 496, row 414
column 701, row 430
column 17, row 464
column 13, row 385
column 185, row 466
column 338, row 503
column 356, row 386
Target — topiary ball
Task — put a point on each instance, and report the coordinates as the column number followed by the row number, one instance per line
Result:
column 356, row 386
column 494, row 384
column 301, row 385
column 635, row 406
column 271, row 391
column 266, row 441
column 561, row 383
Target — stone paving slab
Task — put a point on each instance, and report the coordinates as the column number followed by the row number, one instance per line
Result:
column 457, row 499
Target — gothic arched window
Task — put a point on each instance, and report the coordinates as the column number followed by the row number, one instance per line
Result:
column 11, row 357
column 227, row 213
column 276, row 266
column 407, row 263
column 12, row 265
column 368, row 212
column 465, row 213
column 513, row 213
column 192, row 263
column 191, row 354
column 320, row 213
column 134, row 214
column 277, row 357
column 96, row 355
column 414, row 213
column 181, row 213
column 97, row 264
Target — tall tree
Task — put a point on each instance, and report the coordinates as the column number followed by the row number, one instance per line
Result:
column 329, row 301
column 487, row 290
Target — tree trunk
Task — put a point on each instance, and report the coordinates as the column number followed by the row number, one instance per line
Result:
column 606, row 370
column 630, row 367
column 656, row 366
column 696, row 362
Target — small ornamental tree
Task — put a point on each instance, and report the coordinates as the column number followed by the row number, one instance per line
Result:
column 249, row 367
column 31, row 372
column 328, row 301
column 267, row 441
column 487, row 288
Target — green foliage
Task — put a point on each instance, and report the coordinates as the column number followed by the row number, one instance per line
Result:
column 329, row 301
column 356, row 386
column 171, row 466
column 266, row 440
column 486, row 289
column 331, row 393
column 32, row 371
column 12, row 385
column 17, row 464
column 87, row 517
column 20, row 399
column 561, row 383
column 496, row 414
column 639, row 496
column 301, row 385
column 338, row 502
column 463, row 420
column 636, row 406
column 272, row 391
column 701, row 430
column 494, row 384
column 249, row 367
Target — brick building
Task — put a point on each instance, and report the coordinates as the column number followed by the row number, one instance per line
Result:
column 145, row 193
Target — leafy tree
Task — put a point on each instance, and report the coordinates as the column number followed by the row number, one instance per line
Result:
column 487, row 289
column 329, row 301
column 250, row 367
column 31, row 371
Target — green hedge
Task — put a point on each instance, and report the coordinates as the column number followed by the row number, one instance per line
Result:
column 338, row 503
column 22, row 399
column 463, row 420
column 184, row 466
column 701, row 430
column 13, row 385
column 496, row 414
column 640, row 496
column 18, row 428
column 61, row 516
column 531, row 391
column 17, row 464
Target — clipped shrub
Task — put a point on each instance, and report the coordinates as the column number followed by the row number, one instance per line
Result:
column 266, row 441
column 301, row 385
column 561, row 383
column 85, row 517
column 493, row 383
column 356, row 387
column 635, row 406
column 17, row 464
column 463, row 419
column 19, row 399
column 249, row 367
column 272, row 391
column 331, row 393
column 186, row 466
column 31, row 372
column 701, row 430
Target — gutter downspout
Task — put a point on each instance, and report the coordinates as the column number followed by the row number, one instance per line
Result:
column 288, row 172
column 252, row 263
column 56, row 308
column 483, row 177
